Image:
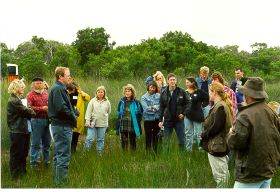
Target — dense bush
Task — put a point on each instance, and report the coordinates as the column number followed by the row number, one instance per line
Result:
column 91, row 54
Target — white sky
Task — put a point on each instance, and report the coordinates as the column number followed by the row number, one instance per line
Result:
column 215, row 22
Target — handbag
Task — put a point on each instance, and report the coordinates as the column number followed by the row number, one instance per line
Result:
column 217, row 144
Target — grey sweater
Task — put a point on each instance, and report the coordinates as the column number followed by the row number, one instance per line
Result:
column 97, row 113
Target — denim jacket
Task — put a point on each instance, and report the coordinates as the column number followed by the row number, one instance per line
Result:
column 150, row 114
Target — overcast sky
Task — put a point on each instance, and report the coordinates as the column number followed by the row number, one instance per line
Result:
column 215, row 22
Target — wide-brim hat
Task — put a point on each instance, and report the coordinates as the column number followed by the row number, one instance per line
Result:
column 254, row 87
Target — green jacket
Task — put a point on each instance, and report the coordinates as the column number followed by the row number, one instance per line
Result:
column 217, row 123
column 256, row 141
column 60, row 110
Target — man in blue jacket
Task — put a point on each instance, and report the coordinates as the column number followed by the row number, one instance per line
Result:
column 62, row 116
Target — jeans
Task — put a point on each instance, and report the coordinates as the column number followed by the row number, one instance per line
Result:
column 260, row 184
column 98, row 132
column 193, row 132
column 206, row 110
column 62, row 151
column 179, row 129
column 40, row 134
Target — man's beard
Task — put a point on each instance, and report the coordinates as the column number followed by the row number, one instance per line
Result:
column 39, row 90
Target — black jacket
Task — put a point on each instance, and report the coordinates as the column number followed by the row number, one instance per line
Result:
column 199, row 99
column 17, row 115
column 183, row 103
column 60, row 110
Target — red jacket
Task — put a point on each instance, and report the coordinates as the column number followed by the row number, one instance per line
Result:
column 36, row 101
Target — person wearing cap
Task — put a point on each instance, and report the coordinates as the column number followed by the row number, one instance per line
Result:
column 38, row 100
column 255, row 137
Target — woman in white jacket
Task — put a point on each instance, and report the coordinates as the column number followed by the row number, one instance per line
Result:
column 96, row 117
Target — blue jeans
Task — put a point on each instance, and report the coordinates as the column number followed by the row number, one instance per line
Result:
column 193, row 132
column 98, row 132
column 206, row 110
column 62, row 151
column 179, row 129
column 260, row 184
column 40, row 134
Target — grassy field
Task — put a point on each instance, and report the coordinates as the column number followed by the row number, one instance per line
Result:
column 115, row 168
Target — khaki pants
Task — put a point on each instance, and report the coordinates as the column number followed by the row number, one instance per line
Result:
column 219, row 166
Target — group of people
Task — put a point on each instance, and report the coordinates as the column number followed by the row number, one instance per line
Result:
column 63, row 108
column 218, row 118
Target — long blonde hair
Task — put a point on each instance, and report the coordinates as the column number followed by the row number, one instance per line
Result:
column 219, row 88
column 158, row 73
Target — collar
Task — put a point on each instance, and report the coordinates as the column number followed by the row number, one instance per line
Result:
column 61, row 84
column 250, row 105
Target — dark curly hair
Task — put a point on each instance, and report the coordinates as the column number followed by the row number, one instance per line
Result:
column 152, row 83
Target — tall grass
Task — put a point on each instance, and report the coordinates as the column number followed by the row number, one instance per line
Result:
column 116, row 168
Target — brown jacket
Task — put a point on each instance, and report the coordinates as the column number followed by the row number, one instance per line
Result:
column 217, row 123
column 256, row 141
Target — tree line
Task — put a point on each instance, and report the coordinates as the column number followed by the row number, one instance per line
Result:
column 93, row 55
